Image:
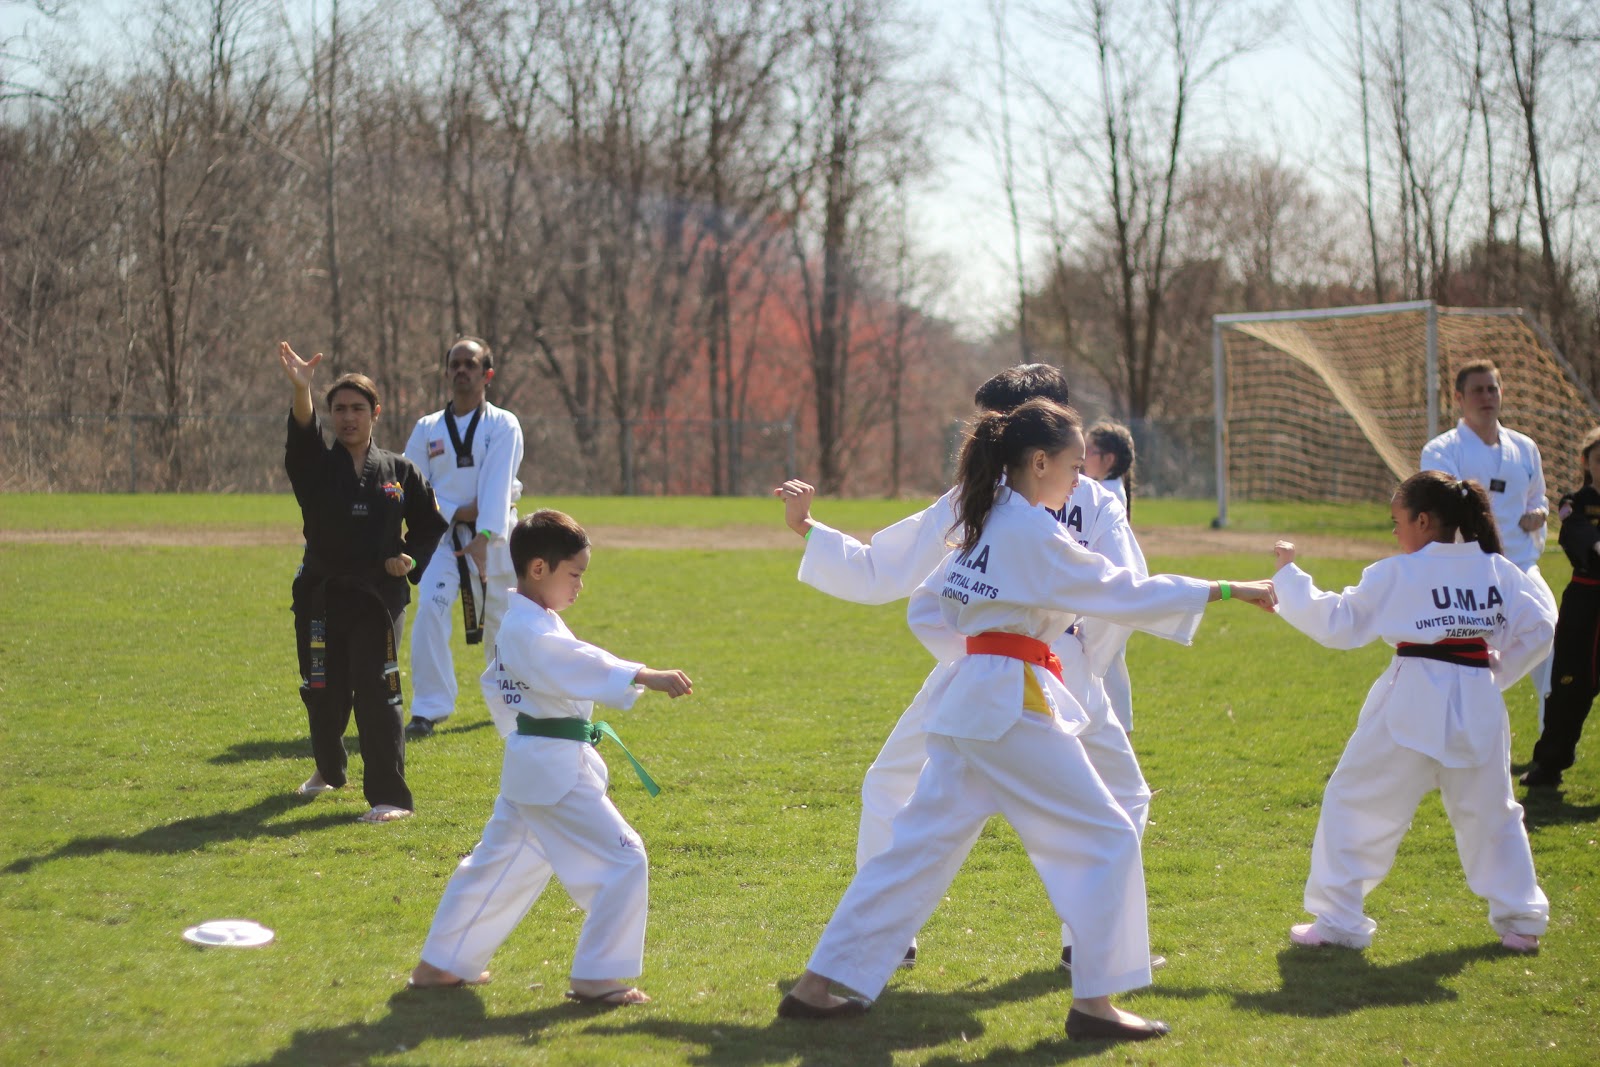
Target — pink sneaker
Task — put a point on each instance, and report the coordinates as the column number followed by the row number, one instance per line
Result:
column 1524, row 943
column 1305, row 934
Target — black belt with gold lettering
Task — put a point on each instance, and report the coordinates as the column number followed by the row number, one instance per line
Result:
column 471, row 611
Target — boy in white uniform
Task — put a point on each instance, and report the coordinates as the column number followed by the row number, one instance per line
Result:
column 1466, row 624
column 470, row 452
column 1508, row 465
column 552, row 816
column 901, row 556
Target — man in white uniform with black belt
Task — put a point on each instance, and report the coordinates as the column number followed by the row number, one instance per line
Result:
column 1507, row 464
column 471, row 452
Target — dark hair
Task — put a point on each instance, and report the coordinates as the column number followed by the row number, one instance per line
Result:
column 1477, row 366
column 1116, row 439
column 1015, row 386
column 547, row 534
column 997, row 441
column 1458, row 506
column 1590, row 439
column 485, row 354
column 360, row 383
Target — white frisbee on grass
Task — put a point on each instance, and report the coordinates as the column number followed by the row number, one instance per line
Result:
column 229, row 933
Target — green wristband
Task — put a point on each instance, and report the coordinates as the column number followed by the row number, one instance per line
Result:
column 487, row 535
column 1227, row 591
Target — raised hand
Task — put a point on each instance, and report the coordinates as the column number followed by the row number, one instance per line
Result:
column 1261, row 594
column 1284, row 550
column 300, row 371
column 796, row 504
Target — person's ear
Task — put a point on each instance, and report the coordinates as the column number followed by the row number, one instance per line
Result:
column 537, row 568
column 488, row 375
column 376, row 408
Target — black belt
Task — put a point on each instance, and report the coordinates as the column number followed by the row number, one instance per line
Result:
column 1462, row 651
column 471, row 613
column 317, row 635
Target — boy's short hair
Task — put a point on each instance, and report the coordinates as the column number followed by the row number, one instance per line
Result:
column 360, row 383
column 1477, row 366
column 1015, row 386
column 547, row 534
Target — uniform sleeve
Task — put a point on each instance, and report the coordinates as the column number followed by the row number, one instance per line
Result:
column 1437, row 457
column 1336, row 620
column 1530, row 626
column 927, row 621
column 1072, row 578
column 890, row 568
column 561, row 666
column 500, row 465
column 1578, row 536
column 304, row 452
column 424, row 525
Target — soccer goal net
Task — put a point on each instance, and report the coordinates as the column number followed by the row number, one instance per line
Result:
column 1336, row 404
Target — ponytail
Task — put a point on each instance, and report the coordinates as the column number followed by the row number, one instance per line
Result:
column 1459, row 506
column 1116, row 440
column 996, row 442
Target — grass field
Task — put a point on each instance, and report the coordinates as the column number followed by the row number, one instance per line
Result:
column 150, row 737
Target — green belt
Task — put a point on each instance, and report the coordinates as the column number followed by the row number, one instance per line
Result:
column 583, row 730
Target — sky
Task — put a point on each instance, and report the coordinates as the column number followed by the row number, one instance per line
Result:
column 1283, row 97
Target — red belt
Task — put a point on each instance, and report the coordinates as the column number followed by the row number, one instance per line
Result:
column 1578, row 579
column 1462, row 651
column 1015, row 646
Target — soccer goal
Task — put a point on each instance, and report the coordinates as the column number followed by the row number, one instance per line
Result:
column 1336, row 404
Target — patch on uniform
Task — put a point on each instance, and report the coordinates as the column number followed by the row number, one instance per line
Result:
column 436, row 448
column 394, row 492
column 1566, row 679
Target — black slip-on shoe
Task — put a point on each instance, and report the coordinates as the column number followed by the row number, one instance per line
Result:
column 418, row 728
column 792, row 1007
column 1537, row 777
column 910, row 958
column 1081, row 1026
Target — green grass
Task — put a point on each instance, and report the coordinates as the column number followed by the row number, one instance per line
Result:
column 150, row 735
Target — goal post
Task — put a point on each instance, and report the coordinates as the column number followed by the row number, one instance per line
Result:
column 1336, row 403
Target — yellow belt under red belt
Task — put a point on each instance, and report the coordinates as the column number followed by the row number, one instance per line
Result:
column 1015, row 646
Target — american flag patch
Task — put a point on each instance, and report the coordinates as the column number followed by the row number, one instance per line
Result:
column 435, row 448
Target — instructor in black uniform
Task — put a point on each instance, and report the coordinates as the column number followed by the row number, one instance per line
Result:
column 351, row 593
column 1575, row 680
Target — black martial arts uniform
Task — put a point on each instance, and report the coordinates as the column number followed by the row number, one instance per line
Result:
column 1575, row 674
column 348, row 611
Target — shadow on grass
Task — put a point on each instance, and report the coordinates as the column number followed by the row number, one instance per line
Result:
column 901, row 1024
column 1319, row 983
column 1548, row 807
column 300, row 747
column 195, row 832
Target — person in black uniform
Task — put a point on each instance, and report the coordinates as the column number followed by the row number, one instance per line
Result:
column 351, row 593
column 1575, row 674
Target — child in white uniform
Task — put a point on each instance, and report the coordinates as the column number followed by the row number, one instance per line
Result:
column 1466, row 623
column 1108, row 459
column 552, row 816
column 1002, row 732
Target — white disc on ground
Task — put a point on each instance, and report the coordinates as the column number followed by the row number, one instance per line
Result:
column 231, row 933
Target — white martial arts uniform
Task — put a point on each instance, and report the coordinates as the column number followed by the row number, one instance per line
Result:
column 897, row 561
column 988, row 756
column 1513, row 462
column 1119, row 686
column 491, row 483
column 1426, row 725
column 552, row 816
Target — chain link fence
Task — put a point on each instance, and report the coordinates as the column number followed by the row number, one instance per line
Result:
column 140, row 453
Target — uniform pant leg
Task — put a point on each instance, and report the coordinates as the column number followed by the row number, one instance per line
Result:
column 1575, row 678
column 893, row 894
column 328, row 708
column 1083, row 845
column 380, row 714
column 1111, row 754
column 890, row 781
column 1493, row 845
column 601, row 863
column 489, row 893
column 433, row 672
column 1366, row 809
